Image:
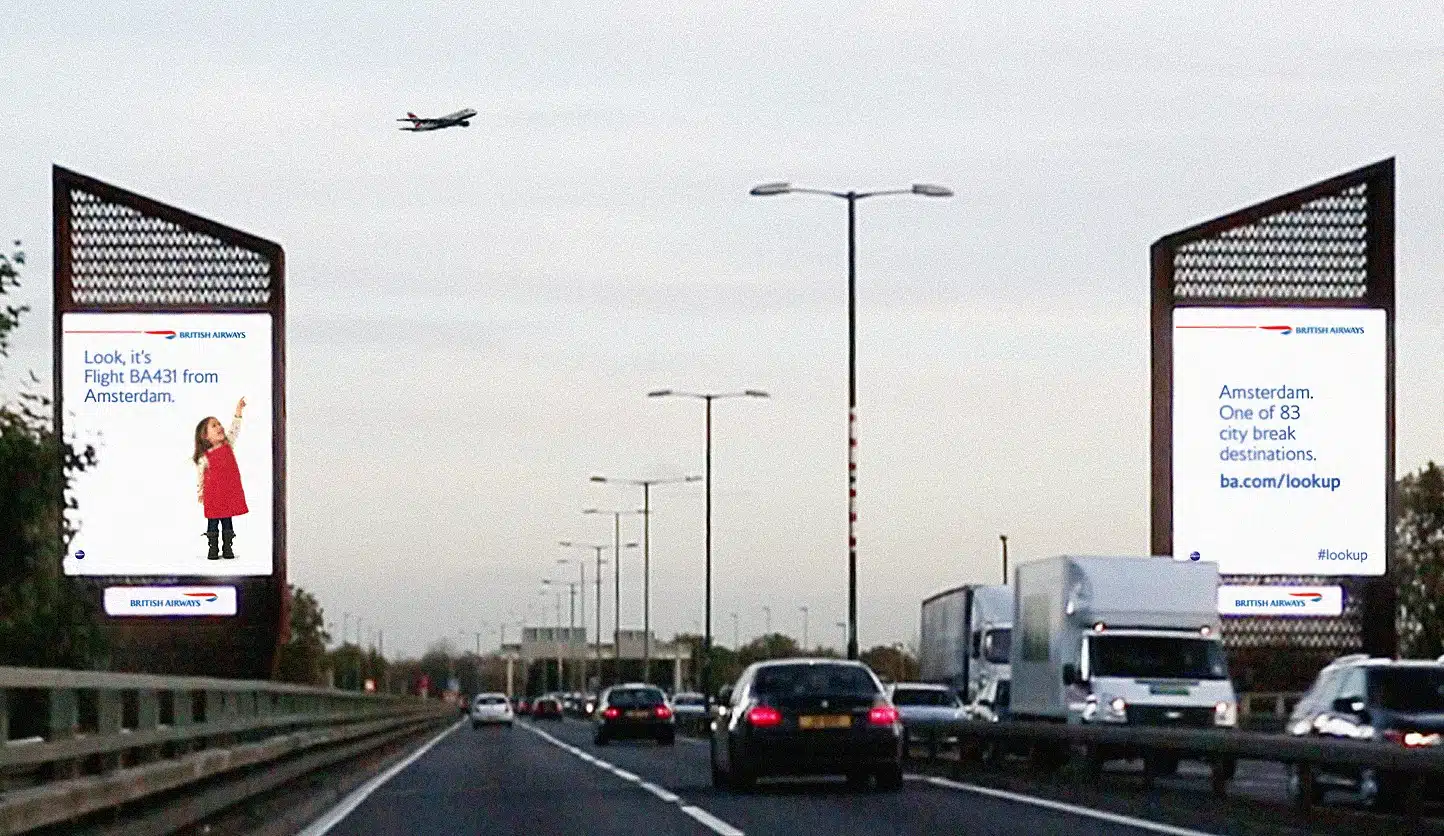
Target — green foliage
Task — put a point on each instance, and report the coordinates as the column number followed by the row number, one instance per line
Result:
column 303, row 656
column 46, row 619
column 891, row 663
column 1419, row 563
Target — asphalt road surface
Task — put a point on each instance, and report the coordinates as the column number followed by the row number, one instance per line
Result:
column 543, row 777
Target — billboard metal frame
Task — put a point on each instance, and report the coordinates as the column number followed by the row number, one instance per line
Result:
column 1289, row 251
column 143, row 256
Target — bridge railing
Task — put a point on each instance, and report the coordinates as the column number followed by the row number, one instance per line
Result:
column 74, row 744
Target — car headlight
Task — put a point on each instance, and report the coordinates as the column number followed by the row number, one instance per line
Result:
column 1225, row 714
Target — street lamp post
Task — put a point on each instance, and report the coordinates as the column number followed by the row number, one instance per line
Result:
column 647, row 559
column 852, row 197
column 600, row 564
column 617, row 590
column 1004, row 538
column 582, row 620
column 707, row 637
column 804, row 628
column 767, row 612
column 843, row 625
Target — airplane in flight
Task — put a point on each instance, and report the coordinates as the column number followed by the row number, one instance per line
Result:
column 450, row 120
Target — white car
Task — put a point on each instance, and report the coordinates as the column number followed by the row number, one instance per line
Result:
column 489, row 709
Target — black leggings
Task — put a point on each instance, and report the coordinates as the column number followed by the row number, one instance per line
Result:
column 225, row 525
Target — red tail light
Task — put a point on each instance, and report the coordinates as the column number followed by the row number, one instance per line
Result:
column 612, row 712
column 883, row 715
column 763, row 716
column 663, row 712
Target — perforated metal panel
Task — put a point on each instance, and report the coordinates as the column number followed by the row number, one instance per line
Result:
column 121, row 256
column 1318, row 251
column 1327, row 245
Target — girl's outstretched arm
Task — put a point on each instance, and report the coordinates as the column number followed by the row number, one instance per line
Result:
column 236, row 423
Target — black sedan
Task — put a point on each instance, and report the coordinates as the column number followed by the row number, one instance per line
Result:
column 631, row 711
column 806, row 717
column 547, row 708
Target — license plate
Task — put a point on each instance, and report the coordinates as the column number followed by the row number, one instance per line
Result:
column 637, row 715
column 826, row 721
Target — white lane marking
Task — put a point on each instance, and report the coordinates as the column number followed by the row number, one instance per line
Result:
column 334, row 816
column 652, row 788
column 715, row 824
column 710, row 821
column 1115, row 818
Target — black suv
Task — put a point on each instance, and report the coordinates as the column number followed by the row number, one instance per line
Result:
column 1397, row 702
column 634, row 710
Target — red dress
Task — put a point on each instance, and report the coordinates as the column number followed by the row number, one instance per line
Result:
column 224, row 496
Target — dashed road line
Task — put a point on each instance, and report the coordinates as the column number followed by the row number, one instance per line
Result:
column 716, row 825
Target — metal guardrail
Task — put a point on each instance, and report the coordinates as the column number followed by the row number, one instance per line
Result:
column 77, row 743
column 1050, row 744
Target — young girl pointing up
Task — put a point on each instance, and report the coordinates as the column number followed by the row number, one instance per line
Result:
column 218, row 481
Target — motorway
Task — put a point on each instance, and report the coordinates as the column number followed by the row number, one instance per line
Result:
column 547, row 777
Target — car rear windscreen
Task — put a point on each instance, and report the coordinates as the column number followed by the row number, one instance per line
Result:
column 1408, row 690
column 922, row 696
column 636, row 698
column 814, row 680
column 490, row 700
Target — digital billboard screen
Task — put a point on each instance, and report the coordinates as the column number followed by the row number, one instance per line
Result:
column 179, row 408
column 1279, row 439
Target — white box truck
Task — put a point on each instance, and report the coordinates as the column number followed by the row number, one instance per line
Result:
column 965, row 637
column 1124, row 640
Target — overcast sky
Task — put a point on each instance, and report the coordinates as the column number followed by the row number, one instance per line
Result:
column 475, row 315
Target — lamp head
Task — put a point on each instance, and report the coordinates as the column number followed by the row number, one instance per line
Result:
column 769, row 189
column 660, row 393
column 929, row 190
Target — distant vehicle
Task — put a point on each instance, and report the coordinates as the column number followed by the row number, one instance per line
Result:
column 806, row 717
column 418, row 123
column 488, row 709
column 523, row 706
column 547, row 708
column 1393, row 702
column 965, row 638
column 929, row 712
column 1121, row 640
column 688, row 705
column 631, row 711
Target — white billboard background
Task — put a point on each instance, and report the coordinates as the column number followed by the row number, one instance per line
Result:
column 138, row 513
column 1324, row 516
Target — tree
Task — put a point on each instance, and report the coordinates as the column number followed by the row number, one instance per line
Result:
column 1419, row 563
column 892, row 663
column 46, row 619
column 303, row 657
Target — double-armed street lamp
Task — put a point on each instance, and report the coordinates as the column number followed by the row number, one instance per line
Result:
column 646, row 558
column 582, row 615
column 852, row 197
column 617, row 591
column 707, row 637
column 600, row 563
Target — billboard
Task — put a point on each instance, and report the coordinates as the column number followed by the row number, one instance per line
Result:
column 1279, row 439
column 179, row 407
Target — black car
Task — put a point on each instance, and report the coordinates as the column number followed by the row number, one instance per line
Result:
column 547, row 708
column 806, row 717
column 1391, row 701
column 631, row 711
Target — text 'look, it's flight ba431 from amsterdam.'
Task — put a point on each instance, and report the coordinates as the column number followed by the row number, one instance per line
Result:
column 450, row 120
